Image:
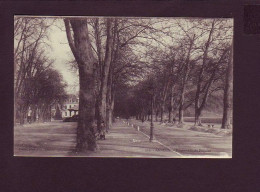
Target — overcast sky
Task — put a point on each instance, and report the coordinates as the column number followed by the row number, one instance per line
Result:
column 60, row 51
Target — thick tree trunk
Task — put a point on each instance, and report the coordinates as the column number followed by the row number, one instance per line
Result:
column 197, row 117
column 85, row 131
column 227, row 111
column 81, row 49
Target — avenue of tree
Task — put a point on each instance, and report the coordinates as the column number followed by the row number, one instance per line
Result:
column 127, row 64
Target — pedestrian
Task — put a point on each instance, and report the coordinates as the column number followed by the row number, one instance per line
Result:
column 102, row 134
column 29, row 116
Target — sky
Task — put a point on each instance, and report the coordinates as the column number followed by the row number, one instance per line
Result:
column 61, row 53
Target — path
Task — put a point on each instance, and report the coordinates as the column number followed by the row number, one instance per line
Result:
column 58, row 139
column 125, row 141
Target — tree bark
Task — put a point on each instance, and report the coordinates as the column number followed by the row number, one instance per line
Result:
column 156, row 115
column 197, row 117
column 109, row 103
column 162, row 110
column 170, row 108
column 181, row 105
column 104, row 77
column 81, row 49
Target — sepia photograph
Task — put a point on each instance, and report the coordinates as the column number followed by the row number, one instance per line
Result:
column 128, row 87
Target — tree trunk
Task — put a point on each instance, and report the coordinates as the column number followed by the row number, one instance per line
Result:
column 104, row 77
column 181, row 107
column 170, row 114
column 197, row 117
column 181, row 114
column 34, row 110
column 227, row 111
column 162, row 111
column 81, row 49
column 109, row 100
column 172, row 102
column 156, row 115
column 22, row 115
column 109, row 115
column 112, row 116
column 41, row 114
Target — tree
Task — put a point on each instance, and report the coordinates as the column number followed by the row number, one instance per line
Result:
column 30, row 36
column 47, row 89
column 80, row 45
column 209, row 66
column 227, row 110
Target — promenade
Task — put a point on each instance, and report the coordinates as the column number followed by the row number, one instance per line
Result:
column 57, row 139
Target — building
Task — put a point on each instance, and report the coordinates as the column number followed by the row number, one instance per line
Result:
column 70, row 106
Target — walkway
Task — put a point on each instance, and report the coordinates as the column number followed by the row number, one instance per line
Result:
column 56, row 139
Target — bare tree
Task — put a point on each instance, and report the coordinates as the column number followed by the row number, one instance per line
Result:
column 81, row 48
column 227, row 111
column 213, row 55
column 30, row 36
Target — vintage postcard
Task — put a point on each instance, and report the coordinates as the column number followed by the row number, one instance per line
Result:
column 141, row 87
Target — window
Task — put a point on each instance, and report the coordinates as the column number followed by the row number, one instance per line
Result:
column 65, row 113
column 65, row 106
column 70, row 106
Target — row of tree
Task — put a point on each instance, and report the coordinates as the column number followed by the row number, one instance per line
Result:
column 103, row 52
column 37, row 86
column 187, row 73
column 173, row 63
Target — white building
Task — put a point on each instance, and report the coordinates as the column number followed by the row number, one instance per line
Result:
column 70, row 107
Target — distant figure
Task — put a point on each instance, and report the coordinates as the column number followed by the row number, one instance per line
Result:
column 174, row 120
column 208, row 126
column 212, row 126
column 102, row 134
column 29, row 116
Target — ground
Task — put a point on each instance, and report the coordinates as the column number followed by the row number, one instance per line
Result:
column 188, row 142
column 123, row 140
